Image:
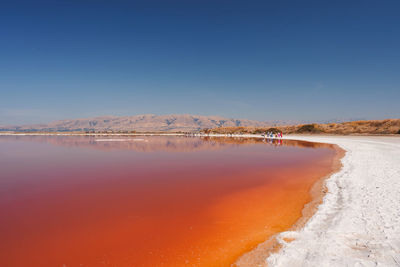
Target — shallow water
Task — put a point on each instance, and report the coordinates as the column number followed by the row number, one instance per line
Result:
column 149, row 201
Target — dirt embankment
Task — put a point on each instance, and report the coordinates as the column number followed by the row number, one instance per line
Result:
column 389, row 126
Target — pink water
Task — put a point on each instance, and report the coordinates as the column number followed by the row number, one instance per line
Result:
column 149, row 201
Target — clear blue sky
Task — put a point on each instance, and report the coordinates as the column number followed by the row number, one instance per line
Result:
column 263, row 60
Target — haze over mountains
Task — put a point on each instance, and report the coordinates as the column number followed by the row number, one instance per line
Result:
column 139, row 123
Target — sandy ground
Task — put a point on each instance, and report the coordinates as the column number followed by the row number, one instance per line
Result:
column 358, row 223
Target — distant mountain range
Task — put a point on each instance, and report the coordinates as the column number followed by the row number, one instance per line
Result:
column 139, row 123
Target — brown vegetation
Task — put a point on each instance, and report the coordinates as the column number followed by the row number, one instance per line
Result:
column 389, row 126
column 309, row 128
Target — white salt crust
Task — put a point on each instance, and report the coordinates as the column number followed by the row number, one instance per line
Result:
column 358, row 223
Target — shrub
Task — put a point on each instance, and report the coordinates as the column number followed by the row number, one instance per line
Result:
column 308, row 128
column 258, row 131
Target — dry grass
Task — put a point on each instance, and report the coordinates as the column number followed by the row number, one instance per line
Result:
column 389, row 126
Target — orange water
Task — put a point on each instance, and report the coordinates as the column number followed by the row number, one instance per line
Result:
column 158, row 201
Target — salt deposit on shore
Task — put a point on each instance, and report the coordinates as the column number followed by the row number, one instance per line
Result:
column 358, row 223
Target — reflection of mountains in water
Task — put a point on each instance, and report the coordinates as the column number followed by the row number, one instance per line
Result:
column 158, row 143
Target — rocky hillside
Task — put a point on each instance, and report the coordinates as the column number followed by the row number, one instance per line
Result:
column 139, row 123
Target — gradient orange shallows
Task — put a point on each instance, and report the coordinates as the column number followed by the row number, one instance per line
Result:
column 167, row 201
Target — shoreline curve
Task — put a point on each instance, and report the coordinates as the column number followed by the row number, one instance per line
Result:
column 258, row 255
column 358, row 223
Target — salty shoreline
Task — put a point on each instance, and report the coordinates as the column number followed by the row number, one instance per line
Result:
column 358, row 223
column 257, row 256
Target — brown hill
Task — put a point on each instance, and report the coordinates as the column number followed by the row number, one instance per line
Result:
column 139, row 123
column 389, row 126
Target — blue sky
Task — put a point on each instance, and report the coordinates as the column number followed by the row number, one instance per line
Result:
column 263, row 60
